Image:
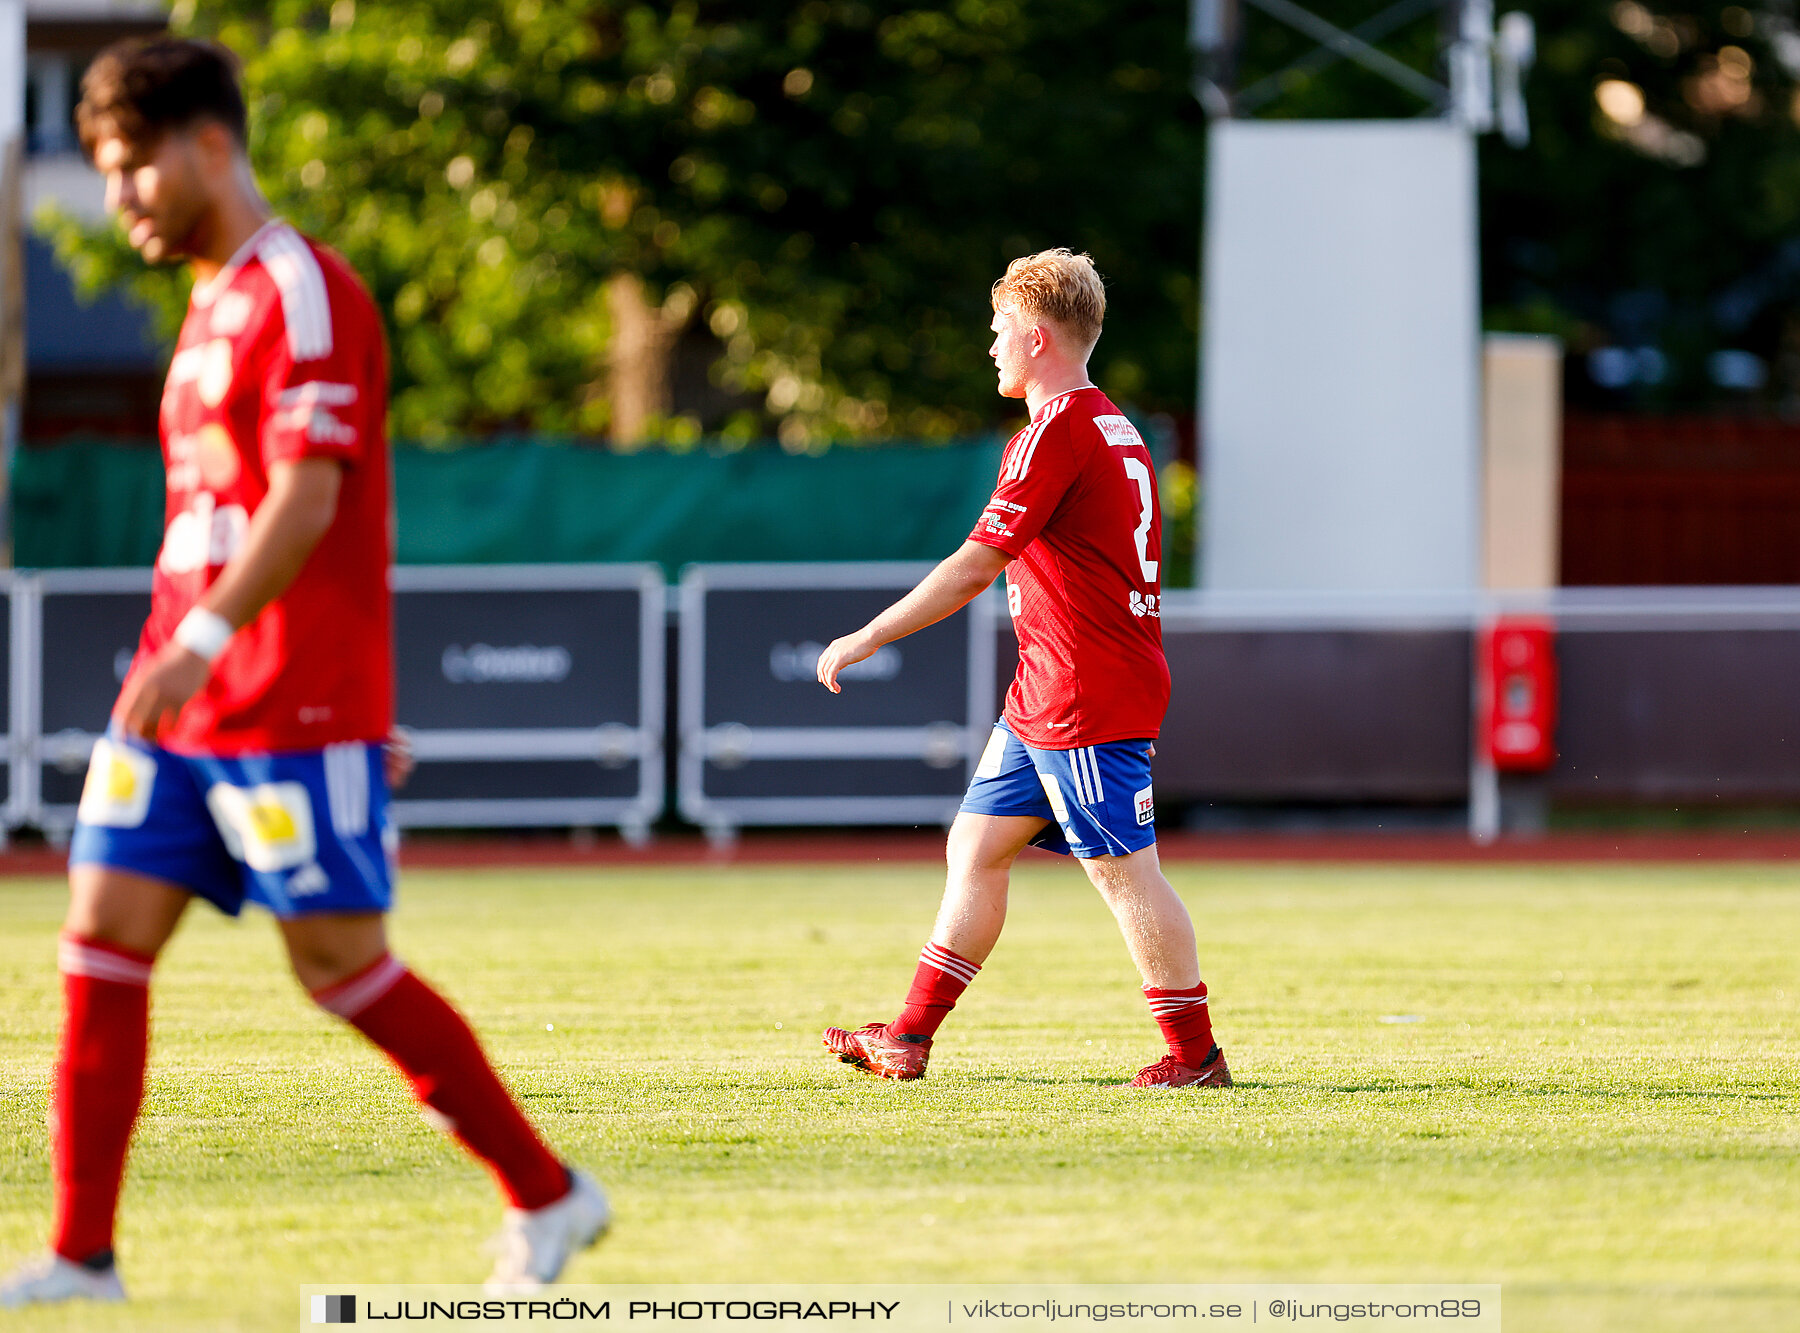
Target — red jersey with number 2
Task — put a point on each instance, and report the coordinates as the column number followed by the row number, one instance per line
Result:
column 280, row 358
column 1076, row 508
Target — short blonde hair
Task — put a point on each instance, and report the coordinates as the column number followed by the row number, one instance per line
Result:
column 1058, row 285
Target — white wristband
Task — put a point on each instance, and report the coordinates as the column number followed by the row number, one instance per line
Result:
column 204, row 633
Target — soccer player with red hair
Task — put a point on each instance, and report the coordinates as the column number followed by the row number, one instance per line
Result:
column 1075, row 526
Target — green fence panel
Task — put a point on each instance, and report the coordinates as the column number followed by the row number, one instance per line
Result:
column 86, row 503
column 523, row 502
column 526, row 501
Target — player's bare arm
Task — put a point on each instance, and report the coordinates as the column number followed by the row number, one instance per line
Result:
column 955, row 583
column 282, row 533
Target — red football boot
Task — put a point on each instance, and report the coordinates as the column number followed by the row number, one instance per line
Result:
column 1169, row 1072
column 882, row 1053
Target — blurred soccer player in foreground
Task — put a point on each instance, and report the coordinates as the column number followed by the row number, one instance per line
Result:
column 1074, row 523
column 244, row 758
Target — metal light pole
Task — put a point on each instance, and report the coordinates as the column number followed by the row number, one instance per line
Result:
column 12, row 252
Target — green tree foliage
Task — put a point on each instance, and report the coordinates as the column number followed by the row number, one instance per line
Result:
column 1657, row 211
column 823, row 190
column 828, row 188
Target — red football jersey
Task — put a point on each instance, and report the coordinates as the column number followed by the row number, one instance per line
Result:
column 1076, row 507
column 280, row 358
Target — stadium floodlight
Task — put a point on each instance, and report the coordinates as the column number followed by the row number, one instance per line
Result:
column 1515, row 51
column 1213, row 30
column 1485, row 68
column 12, row 170
column 1471, row 62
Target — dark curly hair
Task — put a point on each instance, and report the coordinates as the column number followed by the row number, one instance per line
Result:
column 139, row 89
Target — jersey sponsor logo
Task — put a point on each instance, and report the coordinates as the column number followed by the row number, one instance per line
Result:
column 184, row 366
column 308, row 407
column 524, row 664
column 230, row 313
column 1118, row 432
column 204, row 534
column 214, row 457
column 1145, row 805
column 999, row 515
column 1014, row 599
column 204, row 459
column 1146, row 604
column 800, row 661
column 214, row 375
column 268, row 826
column 993, row 756
column 117, row 791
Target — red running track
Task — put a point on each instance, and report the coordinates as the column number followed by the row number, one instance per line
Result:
column 927, row 846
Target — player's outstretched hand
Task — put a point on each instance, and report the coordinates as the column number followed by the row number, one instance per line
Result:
column 847, row 651
column 157, row 693
column 397, row 758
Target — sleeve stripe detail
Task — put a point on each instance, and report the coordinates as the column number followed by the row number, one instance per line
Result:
column 1028, row 442
column 305, row 308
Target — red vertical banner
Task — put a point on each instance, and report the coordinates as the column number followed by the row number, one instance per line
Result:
column 1516, row 716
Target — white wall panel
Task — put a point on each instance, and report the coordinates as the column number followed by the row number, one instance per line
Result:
column 1340, row 392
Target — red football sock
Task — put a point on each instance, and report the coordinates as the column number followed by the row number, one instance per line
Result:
column 437, row 1052
column 1185, row 1021
column 937, row 985
column 99, row 1087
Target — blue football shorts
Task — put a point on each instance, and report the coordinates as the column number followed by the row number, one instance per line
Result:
column 1097, row 798
column 299, row 832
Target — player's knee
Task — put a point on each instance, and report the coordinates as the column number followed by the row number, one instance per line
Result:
column 1114, row 877
column 1109, row 884
column 128, row 911
column 321, row 961
column 968, row 851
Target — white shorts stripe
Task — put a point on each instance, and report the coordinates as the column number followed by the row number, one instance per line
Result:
column 1083, row 795
column 1093, row 761
column 347, row 788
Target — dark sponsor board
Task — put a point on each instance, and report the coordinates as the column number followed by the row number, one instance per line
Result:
column 533, row 693
column 763, row 742
column 762, row 651
column 518, row 657
column 88, row 640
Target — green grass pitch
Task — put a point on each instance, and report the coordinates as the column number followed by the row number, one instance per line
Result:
column 1596, row 1104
